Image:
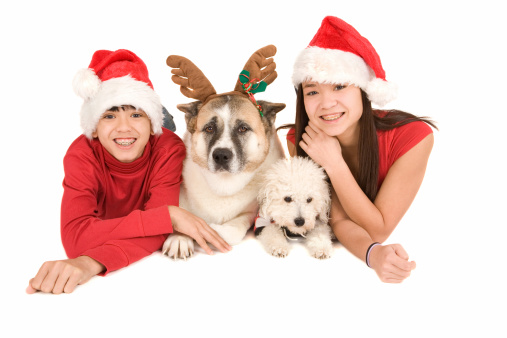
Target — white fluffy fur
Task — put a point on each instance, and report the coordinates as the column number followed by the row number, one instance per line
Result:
column 300, row 179
column 227, row 202
column 125, row 90
column 335, row 66
column 86, row 83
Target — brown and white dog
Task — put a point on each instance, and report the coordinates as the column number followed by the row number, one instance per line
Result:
column 230, row 145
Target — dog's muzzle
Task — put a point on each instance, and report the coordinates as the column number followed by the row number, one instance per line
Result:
column 222, row 158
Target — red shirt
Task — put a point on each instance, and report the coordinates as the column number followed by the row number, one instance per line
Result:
column 392, row 143
column 117, row 213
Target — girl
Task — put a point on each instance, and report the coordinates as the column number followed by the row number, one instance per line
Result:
column 375, row 159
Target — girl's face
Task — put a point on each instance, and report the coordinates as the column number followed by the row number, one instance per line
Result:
column 335, row 109
column 124, row 133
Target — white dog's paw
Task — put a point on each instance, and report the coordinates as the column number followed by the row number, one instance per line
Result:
column 320, row 249
column 231, row 234
column 178, row 246
column 321, row 254
column 279, row 251
column 319, row 242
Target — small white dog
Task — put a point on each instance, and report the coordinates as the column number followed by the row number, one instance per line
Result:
column 294, row 202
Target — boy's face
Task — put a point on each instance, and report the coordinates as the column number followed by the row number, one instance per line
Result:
column 124, row 133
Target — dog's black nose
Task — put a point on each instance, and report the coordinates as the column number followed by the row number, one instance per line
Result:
column 300, row 221
column 222, row 156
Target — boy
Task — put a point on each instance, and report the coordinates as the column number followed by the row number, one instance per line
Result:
column 122, row 178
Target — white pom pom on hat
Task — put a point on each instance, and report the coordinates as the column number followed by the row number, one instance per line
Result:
column 339, row 54
column 116, row 78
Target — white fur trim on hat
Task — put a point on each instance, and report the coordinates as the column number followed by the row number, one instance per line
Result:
column 381, row 92
column 335, row 66
column 117, row 92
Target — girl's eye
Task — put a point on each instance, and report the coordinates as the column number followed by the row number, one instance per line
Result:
column 339, row 87
column 108, row 116
column 313, row 92
column 309, row 199
column 287, row 199
column 137, row 115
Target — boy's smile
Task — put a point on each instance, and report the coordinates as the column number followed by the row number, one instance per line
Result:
column 124, row 132
column 124, row 142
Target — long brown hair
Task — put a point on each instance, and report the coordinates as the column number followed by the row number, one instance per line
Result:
column 371, row 120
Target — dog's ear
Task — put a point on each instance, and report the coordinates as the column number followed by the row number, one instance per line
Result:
column 270, row 109
column 326, row 206
column 264, row 197
column 190, row 109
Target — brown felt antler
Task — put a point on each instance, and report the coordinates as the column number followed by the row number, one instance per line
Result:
column 261, row 66
column 192, row 80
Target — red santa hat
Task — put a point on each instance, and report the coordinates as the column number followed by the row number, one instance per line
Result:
column 115, row 79
column 339, row 54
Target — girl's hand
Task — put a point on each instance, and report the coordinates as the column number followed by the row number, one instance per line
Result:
column 391, row 263
column 64, row 275
column 322, row 148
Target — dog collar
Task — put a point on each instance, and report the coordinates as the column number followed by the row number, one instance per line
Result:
column 292, row 236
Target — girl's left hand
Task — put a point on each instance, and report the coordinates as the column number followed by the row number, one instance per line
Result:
column 391, row 263
column 322, row 148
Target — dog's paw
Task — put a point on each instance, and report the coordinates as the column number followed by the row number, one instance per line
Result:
column 178, row 246
column 279, row 251
column 319, row 242
column 321, row 254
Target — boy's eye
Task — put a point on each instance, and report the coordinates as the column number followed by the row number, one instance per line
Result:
column 108, row 116
column 137, row 115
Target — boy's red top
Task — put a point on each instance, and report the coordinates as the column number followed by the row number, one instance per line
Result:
column 117, row 213
column 392, row 143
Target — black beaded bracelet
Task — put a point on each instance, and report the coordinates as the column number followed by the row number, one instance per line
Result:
column 368, row 252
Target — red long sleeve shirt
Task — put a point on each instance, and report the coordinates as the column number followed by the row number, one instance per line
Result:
column 117, row 213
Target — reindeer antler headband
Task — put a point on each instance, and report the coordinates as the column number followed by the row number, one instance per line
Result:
column 258, row 73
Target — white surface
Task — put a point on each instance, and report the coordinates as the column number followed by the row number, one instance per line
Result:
column 448, row 59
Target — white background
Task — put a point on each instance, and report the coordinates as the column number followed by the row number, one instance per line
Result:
column 449, row 61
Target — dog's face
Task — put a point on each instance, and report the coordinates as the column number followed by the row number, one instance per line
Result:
column 228, row 135
column 295, row 195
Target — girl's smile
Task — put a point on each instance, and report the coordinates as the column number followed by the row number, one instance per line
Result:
column 332, row 117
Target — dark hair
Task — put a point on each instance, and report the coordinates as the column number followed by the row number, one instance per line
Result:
column 123, row 107
column 371, row 120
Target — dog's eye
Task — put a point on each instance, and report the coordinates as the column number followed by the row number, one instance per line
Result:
column 309, row 199
column 287, row 199
column 209, row 129
column 242, row 129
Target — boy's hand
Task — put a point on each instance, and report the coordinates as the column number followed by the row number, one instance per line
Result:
column 187, row 223
column 64, row 275
column 391, row 263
